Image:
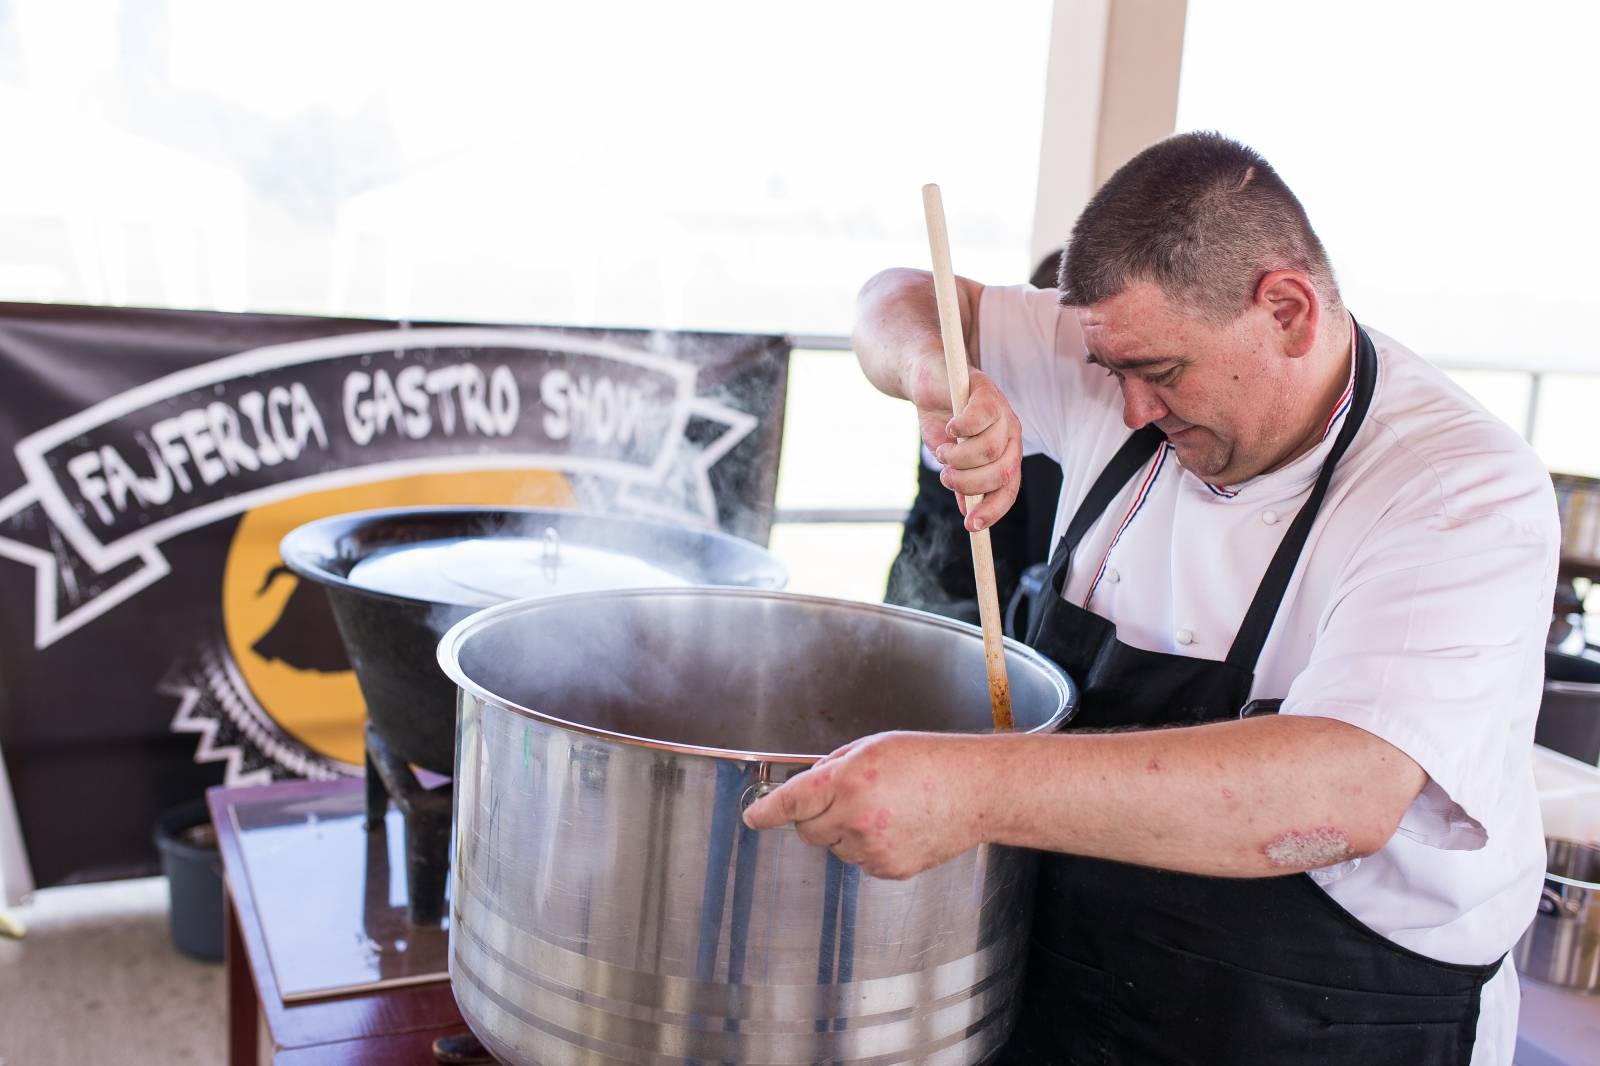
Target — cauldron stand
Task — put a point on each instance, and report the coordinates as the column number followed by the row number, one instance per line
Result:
column 426, row 812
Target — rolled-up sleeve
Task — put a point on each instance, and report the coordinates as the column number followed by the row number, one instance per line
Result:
column 1033, row 349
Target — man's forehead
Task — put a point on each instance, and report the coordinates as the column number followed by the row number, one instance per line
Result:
column 1138, row 302
column 1133, row 318
column 1136, row 330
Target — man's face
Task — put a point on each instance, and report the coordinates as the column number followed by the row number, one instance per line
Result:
column 1217, row 392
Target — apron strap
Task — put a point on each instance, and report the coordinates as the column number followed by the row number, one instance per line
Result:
column 1257, row 624
column 1134, row 453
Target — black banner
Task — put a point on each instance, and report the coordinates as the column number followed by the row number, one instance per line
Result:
column 151, row 645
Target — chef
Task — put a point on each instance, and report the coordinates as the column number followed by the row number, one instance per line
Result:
column 1302, row 581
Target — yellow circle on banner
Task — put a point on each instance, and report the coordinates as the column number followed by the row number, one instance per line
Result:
column 319, row 707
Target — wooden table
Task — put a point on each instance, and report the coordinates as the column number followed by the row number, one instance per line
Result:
column 393, row 1026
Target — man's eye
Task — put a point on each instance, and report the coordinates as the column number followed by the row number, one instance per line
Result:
column 1166, row 377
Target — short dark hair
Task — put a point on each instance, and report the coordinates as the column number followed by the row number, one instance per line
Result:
column 1203, row 217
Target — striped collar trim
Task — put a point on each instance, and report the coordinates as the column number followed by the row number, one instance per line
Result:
column 1127, row 519
column 1342, row 408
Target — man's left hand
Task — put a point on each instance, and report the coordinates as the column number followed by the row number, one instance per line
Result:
column 894, row 803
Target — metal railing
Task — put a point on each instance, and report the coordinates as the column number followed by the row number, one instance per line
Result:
column 827, row 342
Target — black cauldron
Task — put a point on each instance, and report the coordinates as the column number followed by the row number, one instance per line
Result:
column 397, row 579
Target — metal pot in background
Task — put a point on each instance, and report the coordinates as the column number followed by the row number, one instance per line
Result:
column 1569, row 712
column 1562, row 946
column 1578, row 505
column 608, row 903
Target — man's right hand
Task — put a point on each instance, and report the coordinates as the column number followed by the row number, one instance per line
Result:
column 897, row 341
column 981, row 448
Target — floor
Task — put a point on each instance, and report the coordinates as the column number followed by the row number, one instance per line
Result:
column 96, row 981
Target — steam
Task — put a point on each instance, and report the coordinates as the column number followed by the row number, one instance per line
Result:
column 921, row 574
column 728, row 375
column 735, row 671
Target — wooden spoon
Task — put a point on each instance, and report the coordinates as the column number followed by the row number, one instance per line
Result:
column 955, row 362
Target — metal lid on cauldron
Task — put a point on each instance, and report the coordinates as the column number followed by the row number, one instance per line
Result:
column 483, row 571
column 474, row 557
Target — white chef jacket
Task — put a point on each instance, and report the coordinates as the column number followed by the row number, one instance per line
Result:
column 1418, row 612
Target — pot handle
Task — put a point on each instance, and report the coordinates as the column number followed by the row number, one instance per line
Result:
column 763, row 784
column 1551, row 902
column 1028, row 598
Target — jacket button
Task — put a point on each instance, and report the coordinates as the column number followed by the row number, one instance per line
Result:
column 1269, row 517
column 1185, row 636
column 1113, row 577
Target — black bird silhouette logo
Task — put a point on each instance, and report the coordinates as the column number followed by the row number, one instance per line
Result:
column 304, row 634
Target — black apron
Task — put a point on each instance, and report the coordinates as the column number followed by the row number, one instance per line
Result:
column 1133, row 966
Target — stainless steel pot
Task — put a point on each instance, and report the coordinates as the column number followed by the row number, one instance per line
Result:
column 608, row 904
column 1562, row 946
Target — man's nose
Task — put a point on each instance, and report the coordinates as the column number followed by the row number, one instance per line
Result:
column 1140, row 406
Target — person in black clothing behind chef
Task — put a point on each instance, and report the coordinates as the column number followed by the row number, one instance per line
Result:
column 1303, row 582
column 933, row 570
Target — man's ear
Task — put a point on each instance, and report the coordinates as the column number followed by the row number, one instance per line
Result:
column 1292, row 301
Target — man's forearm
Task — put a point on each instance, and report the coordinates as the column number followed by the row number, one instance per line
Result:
column 897, row 327
column 898, row 344
column 1238, row 799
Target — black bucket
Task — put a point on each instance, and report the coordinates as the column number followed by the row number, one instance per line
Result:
column 193, row 866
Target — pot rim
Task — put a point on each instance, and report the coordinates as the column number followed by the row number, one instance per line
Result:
column 1564, row 879
column 1571, row 882
column 298, row 554
column 450, row 647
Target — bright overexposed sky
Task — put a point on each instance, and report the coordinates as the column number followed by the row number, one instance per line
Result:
column 1447, row 153
column 713, row 164
column 723, row 164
